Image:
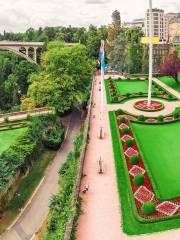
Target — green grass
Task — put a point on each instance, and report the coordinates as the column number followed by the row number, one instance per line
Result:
column 159, row 146
column 132, row 87
column 108, row 96
column 130, row 223
column 26, row 188
column 171, row 82
column 8, row 137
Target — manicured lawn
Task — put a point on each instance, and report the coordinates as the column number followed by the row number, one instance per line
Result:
column 171, row 82
column 8, row 137
column 159, row 146
column 131, row 87
column 130, row 223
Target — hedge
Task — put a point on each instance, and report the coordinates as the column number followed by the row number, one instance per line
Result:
column 19, row 156
column 60, row 205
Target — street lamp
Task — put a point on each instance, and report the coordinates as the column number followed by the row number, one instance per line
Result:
column 150, row 53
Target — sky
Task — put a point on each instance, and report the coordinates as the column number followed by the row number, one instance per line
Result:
column 19, row 15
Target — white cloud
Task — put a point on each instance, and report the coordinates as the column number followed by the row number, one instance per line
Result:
column 18, row 15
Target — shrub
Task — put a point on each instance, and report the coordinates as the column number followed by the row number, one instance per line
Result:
column 176, row 115
column 122, row 119
column 125, row 130
column 53, row 137
column 138, row 179
column 134, row 160
column 148, row 208
column 170, row 96
column 141, row 118
column 119, row 111
column 6, row 119
column 160, row 118
column 129, row 142
column 140, row 93
column 10, row 126
column 128, row 94
column 115, row 99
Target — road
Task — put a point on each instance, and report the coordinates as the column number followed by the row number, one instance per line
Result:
column 36, row 212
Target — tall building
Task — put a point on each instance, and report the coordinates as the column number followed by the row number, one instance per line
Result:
column 160, row 25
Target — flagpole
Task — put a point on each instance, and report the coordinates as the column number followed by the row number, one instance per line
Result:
column 102, row 95
column 150, row 53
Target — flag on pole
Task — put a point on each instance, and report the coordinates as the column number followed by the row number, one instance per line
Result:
column 101, row 60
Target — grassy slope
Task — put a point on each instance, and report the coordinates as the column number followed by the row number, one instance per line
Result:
column 131, row 87
column 159, row 146
column 131, row 225
column 171, row 82
column 7, row 137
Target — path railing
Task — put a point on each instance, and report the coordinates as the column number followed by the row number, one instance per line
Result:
column 69, row 225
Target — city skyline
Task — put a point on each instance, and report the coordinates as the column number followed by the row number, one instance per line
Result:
column 19, row 15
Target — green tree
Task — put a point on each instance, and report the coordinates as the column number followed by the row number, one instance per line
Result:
column 134, row 58
column 64, row 79
column 118, row 54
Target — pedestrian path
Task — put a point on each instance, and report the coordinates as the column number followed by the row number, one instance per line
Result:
column 169, row 89
column 101, row 217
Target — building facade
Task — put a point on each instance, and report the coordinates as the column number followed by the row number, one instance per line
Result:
column 160, row 25
column 174, row 29
column 140, row 22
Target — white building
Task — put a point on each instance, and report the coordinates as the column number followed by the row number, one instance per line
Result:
column 140, row 22
column 160, row 25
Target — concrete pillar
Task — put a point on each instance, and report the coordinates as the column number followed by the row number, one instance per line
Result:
column 35, row 54
column 27, row 48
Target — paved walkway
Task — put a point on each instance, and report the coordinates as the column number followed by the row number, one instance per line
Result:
column 34, row 215
column 101, row 218
column 169, row 89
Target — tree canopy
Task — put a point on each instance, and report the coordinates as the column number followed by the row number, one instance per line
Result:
column 171, row 66
column 64, row 79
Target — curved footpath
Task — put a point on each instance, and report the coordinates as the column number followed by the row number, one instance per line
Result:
column 101, row 217
column 36, row 212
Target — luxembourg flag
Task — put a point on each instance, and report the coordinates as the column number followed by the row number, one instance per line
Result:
column 101, row 60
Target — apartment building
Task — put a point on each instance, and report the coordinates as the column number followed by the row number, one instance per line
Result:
column 160, row 24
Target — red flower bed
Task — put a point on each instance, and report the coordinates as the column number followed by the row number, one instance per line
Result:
column 143, row 106
column 144, row 193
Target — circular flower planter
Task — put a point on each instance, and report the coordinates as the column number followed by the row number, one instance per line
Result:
column 143, row 106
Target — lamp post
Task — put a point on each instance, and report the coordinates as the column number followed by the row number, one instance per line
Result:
column 150, row 53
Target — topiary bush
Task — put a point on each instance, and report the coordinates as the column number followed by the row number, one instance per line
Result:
column 119, row 111
column 141, row 118
column 160, row 118
column 148, row 208
column 138, row 179
column 176, row 115
column 122, row 120
column 125, row 130
column 115, row 99
column 134, row 160
column 129, row 142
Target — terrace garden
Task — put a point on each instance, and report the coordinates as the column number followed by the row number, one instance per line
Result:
column 147, row 170
column 119, row 91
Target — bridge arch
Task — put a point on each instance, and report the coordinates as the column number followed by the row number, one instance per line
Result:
column 27, row 50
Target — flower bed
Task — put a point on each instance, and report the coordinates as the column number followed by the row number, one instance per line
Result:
column 143, row 106
column 144, row 193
